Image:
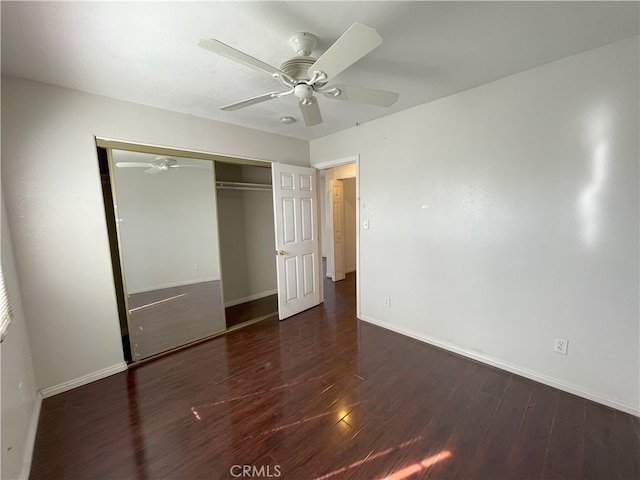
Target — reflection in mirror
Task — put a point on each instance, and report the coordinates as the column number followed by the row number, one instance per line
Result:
column 168, row 240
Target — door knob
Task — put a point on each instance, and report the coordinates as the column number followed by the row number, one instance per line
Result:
column 281, row 252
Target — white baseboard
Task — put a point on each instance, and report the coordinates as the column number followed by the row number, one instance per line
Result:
column 78, row 382
column 31, row 438
column 255, row 296
column 552, row 382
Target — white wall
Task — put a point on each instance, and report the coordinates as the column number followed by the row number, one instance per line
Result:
column 233, row 241
column 247, row 238
column 350, row 205
column 261, row 242
column 507, row 215
column 168, row 226
column 54, row 203
column 20, row 406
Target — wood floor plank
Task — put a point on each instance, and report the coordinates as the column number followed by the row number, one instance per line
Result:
column 599, row 461
column 529, row 452
column 243, row 312
column 489, row 460
column 566, row 445
column 625, row 445
column 324, row 396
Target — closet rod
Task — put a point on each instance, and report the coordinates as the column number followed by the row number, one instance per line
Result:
column 243, row 186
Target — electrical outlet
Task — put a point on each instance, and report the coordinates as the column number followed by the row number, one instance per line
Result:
column 387, row 302
column 561, row 346
column 196, row 267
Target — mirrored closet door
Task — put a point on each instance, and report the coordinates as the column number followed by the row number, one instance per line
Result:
column 166, row 219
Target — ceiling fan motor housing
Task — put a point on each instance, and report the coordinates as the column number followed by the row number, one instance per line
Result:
column 298, row 67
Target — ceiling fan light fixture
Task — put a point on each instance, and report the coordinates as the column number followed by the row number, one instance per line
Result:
column 303, row 91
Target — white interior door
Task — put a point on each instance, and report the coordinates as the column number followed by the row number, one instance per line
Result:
column 337, row 203
column 296, row 227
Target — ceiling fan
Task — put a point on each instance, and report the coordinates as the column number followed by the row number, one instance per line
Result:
column 303, row 75
column 160, row 164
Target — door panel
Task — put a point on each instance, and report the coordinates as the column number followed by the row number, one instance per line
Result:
column 296, row 222
column 309, row 274
column 289, row 221
column 305, row 182
column 291, row 279
column 307, row 211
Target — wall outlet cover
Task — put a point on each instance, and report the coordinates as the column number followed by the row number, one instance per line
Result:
column 561, row 346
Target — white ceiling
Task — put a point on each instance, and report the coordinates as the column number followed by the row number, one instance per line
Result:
column 147, row 52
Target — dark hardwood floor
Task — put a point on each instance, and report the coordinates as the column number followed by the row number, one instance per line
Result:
column 325, row 396
column 251, row 310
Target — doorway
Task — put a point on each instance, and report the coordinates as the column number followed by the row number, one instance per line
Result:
column 339, row 216
column 340, row 169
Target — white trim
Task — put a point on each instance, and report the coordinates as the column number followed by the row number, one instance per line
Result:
column 249, row 298
column 31, row 438
column 176, row 284
column 78, row 382
column 552, row 382
column 336, row 163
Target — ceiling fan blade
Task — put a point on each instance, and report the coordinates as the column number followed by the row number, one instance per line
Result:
column 131, row 165
column 153, row 170
column 310, row 113
column 354, row 44
column 236, row 55
column 250, row 101
column 369, row 96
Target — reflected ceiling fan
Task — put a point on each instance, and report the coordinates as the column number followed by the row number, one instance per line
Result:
column 303, row 75
column 160, row 164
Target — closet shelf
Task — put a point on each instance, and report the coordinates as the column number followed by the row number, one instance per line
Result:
column 242, row 186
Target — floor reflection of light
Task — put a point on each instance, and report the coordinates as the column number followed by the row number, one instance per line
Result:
column 368, row 458
column 421, row 465
column 156, row 303
column 195, row 414
column 303, row 420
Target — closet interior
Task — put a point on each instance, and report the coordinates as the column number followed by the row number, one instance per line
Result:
column 247, row 242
